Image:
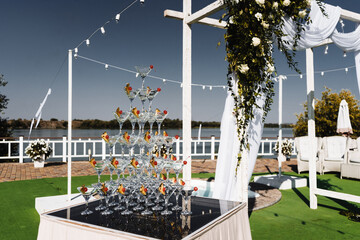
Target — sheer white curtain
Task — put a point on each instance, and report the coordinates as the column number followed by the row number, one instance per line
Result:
column 227, row 184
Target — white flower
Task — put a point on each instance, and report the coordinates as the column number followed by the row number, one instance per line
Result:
column 270, row 68
column 260, row 2
column 286, row 3
column 308, row 2
column 258, row 16
column 265, row 24
column 302, row 13
column 244, row 68
column 275, row 5
column 255, row 41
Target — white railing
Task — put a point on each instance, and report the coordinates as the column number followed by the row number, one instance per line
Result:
column 205, row 148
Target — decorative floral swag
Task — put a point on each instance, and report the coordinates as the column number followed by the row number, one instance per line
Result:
column 253, row 27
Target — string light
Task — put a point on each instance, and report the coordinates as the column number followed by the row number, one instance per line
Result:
column 117, row 17
column 164, row 80
column 102, row 30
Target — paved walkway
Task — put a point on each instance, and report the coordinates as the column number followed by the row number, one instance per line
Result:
column 26, row 171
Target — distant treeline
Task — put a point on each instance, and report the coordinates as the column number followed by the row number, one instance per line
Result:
column 53, row 123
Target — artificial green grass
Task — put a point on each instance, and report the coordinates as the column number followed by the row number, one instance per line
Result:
column 291, row 218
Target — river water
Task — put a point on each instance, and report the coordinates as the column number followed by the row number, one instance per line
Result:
column 84, row 133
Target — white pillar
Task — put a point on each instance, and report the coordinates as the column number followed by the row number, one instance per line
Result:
column 311, row 125
column 64, row 149
column 280, row 155
column 186, row 91
column 69, row 122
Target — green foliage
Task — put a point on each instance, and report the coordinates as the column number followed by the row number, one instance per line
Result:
column 252, row 27
column 4, row 126
column 326, row 113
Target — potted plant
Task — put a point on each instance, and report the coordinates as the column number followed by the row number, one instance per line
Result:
column 38, row 151
column 286, row 148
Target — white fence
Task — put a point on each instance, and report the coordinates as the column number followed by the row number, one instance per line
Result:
column 205, row 148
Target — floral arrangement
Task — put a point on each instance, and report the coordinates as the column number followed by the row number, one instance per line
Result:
column 286, row 147
column 253, row 27
column 37, row 149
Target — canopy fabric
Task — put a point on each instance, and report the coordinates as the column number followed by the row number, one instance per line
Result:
column 321, row 28
column 343, row 120
column 227, row 184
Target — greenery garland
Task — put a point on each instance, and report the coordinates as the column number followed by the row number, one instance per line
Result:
column 252, row 28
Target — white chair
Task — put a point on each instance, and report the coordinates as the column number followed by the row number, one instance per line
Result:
column 334, row 150
column 302, row 145
column 351, row 167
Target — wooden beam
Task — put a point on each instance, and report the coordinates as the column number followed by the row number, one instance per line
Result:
column 206, row 11
column 205, row 21
column 338, row 195
column 348, row 15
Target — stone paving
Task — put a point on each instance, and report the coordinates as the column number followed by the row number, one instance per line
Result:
column 26, row 171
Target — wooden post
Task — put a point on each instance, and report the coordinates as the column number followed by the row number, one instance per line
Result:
column 186, row 91
column 21, row 149
column 311, row 125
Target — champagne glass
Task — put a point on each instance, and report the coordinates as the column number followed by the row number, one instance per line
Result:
column 177, row 167
column 168, row 191
column 177, row 195
column 151, row 119
column 147, row 192
column 130, row 93
column 142, row 97
column 121, row 117
column 86, row 192
column 186, row 192
column 133, row 118
column 143, row 72
column 127, row 193
column 99, row 167
column 158, row 191
column 107, row 190
column 151, row 94
column 120, row 192
column 159, row 118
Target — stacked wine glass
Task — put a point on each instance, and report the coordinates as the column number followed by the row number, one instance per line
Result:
column 147, row 188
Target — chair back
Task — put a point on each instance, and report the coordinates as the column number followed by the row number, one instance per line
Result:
column 334, row 147
column 303, row 144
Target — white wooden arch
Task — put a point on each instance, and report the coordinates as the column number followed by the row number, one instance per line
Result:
column 201, row 17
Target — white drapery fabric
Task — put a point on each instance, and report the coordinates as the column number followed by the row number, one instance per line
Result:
column 321, row 28
column 227, row 183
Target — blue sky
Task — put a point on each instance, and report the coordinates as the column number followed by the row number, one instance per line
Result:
column 36, row 35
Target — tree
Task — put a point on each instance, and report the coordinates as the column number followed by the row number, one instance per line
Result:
column 326, row 113
column 4, row 126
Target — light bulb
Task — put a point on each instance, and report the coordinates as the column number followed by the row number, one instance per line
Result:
column 210, row 88
column 224, row 87
column 203, row 87
column 142, row 1
column 76, row 50
column 102, row 30
column 344, row 54
column 106, row 66
column 164, row 80
column 181, row 85
column 322, row 73
column 117, row 17
column 326, row 49
column 301, row 76
column 346, row 70
column 75, row 55
column 87, row 42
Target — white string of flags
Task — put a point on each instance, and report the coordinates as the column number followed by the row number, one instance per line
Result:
column 206, row 86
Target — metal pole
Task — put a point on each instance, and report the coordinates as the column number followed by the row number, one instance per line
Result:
column 69, row 123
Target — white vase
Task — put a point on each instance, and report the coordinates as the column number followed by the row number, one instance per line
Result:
column 39, row 163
